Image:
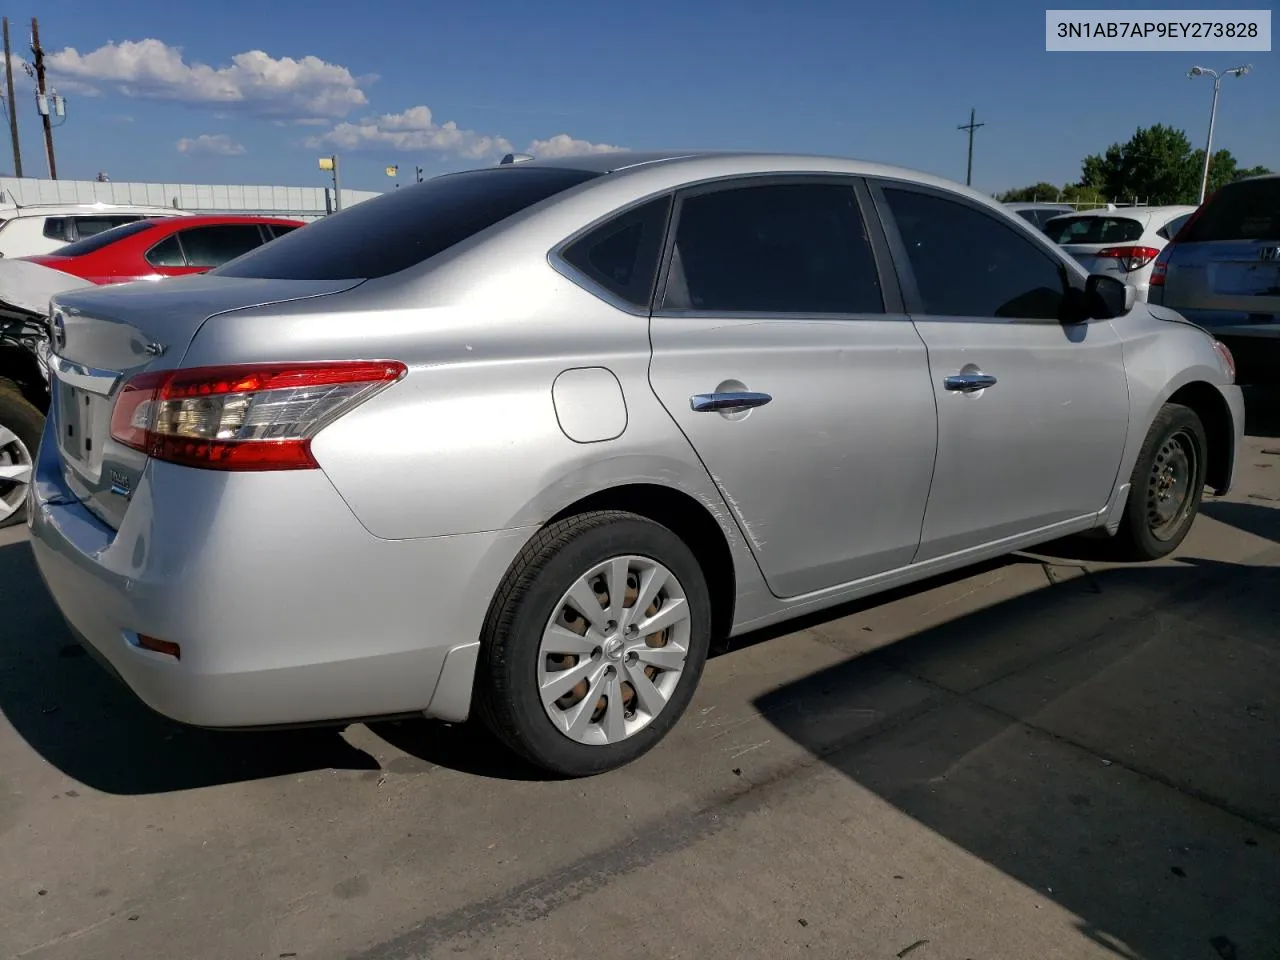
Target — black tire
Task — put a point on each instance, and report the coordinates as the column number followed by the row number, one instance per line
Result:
column 507, row 698
column 1141, row 536
column 27, row 424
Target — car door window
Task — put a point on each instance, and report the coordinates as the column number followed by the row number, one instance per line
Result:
column 275, row 230
column 213, row 246
column 622, row 254
column 774, row 248
column 167, row 253
column 968, row 264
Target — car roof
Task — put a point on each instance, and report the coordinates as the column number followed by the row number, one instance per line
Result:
column 706, row 164
column 197, row 219
column 1039, row 205
column 1153, row 211
column 87, row 209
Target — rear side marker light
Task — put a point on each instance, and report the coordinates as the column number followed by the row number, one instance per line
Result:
column 1132, row 258
column 244, row 417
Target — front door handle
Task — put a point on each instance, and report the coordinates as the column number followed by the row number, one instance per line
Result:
column 969, row 382
column 706, row 402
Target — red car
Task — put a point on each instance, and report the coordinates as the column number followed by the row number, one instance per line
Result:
column 164, row 247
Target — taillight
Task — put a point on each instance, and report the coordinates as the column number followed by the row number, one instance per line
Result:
column 243, row 417
column 1161, row 267
column 1132, row 258
column 1228, row 361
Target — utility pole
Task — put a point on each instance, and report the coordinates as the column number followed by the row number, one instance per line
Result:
column 13, row 115
column 970, row 126
column 38, row 52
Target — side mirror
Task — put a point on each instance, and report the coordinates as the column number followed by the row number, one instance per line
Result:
column 1108, row 297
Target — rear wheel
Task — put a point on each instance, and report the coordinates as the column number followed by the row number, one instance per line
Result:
column 595, row 643
column 1166, row 486
column 20, row 427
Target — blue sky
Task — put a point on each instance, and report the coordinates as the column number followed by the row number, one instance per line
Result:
column 886, row 82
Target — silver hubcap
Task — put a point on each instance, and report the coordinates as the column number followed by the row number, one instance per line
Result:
column 15, row 472
column 613, row 652
column 1169, row 489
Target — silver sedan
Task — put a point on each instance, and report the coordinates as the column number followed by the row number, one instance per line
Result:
column 519, row 442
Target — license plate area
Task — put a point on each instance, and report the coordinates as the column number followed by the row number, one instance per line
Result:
column 82, row 428
column 1247, row 279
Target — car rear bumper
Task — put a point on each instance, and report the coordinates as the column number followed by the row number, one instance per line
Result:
column 285, row 608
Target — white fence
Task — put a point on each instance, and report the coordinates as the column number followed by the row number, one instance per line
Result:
column 197, row 198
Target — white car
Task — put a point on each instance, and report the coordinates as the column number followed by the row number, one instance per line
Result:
column 1120, row 242
column 43, row 228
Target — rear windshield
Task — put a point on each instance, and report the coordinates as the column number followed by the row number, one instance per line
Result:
column 405, row 227
column 1248, row 210
column 1093, row 229
column 103, row 239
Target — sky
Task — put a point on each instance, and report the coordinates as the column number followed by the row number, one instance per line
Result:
column 255, row 92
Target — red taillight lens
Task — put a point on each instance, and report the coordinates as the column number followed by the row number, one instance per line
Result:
column 1228, row 361
column 1161, row 267
column 1134, row 258
column 245, row 417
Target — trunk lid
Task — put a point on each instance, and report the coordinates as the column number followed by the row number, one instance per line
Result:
column 101, row 337
column 1239, row 278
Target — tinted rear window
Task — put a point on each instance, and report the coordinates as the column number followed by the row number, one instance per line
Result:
column 1093, row 230
column 103, row 239
column 1248, row 210
column 405, row 227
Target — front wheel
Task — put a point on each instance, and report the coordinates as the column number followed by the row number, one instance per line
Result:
column 1166, row 486
column 595, row 643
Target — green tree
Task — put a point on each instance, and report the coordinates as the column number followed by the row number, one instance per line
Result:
column 1041, row 192
column 1156, row 165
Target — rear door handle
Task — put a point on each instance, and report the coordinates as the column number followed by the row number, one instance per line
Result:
column 969, row 382
column 706, row 402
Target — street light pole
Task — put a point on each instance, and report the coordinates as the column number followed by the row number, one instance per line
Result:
column 1213, row 112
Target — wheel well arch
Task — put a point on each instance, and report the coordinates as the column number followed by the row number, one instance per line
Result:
column 1210, row 406
column 688, row 519
column 18, row 364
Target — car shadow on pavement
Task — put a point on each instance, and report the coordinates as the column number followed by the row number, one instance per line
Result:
column 88, row 725
column 1108, row 741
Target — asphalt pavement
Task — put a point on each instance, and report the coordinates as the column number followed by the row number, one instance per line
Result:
column 1045, row 757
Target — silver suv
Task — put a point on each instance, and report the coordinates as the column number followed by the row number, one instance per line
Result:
column 1222, row 272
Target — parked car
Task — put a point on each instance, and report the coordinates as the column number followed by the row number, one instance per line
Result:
column 164, row 247
column 1038, row 214
column 528, row 437
column 149, row 249
column 1222, row 271
column 43, row 228
column 1122, row 242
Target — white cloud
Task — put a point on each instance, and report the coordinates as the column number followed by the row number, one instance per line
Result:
column 211, row 144
column 563, row 145
column 254, row 81
column 416, row 129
